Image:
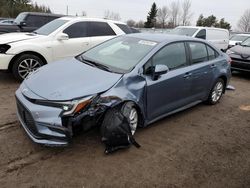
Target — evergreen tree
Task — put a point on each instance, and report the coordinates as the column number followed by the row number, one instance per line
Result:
column 211, row 21
column 151, row 18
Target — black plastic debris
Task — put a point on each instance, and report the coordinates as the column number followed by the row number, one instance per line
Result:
column 116, row 132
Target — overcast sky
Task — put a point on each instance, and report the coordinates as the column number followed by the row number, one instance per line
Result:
column 138, row 9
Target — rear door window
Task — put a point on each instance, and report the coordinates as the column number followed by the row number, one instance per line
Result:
column 100, row 29
column 198, row 52
column 77, row 30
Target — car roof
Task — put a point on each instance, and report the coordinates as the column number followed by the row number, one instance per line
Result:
column 42, row 13
column 200, row 27
column 162, row 38
column 80, row 18
column 242, row 34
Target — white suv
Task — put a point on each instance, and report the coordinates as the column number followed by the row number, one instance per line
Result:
column 65, row 37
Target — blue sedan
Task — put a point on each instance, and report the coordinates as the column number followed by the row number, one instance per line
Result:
column 145, row 76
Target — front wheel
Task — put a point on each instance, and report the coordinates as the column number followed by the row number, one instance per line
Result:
column 26, row 64
column 217, row 92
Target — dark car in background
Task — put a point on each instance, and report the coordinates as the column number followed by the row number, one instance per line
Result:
column 28, row 22
column 145, row 76
column 240, row 55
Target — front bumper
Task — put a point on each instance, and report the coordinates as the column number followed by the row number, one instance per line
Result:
column 240, row 64
column 42, row 124
column 5, row 61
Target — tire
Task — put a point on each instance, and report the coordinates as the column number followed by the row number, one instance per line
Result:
column 26, row 64
column 129, row 111
column 216, row 92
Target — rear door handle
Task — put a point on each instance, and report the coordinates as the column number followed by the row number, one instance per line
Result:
column 187, row 75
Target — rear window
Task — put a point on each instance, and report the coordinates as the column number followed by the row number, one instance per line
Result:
column 124, row 28
column 184, row 31
column 100, row 29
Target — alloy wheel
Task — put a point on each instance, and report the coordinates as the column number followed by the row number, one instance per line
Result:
column 133, row 119
column 27, row 66
column 217, row 91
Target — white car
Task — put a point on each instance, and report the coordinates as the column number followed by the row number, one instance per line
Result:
column 23, row 53
column 238, row 38
column 218, row 37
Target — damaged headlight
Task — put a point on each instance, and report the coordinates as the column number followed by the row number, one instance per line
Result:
column 4, row 48
column 68, row 107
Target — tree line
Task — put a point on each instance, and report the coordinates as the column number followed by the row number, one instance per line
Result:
column 11, row 8
column 178, row 13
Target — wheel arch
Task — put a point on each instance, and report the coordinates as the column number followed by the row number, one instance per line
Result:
column 224, row 78
column 138, row 108
column 22, row 53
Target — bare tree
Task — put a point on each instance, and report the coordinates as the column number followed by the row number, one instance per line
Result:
column 131, row 23
column 244, row 22
column 162, row 15
column 139, row 24
column 111, row 15
column 174, row 13
column 186, row 12
column 84, row 13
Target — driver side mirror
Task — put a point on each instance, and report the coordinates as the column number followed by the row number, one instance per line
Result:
column 159, row 70
column 238, row 43
column 62, row 36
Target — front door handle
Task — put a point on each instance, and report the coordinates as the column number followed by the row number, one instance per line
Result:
column 187, row 75
column 212, row 66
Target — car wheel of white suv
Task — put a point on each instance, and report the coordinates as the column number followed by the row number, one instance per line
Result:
column 26, row 64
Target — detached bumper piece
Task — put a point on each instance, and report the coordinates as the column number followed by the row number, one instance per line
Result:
column 116, row 132
column 40, row 132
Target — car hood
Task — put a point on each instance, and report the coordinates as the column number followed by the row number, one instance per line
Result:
column 16, row 37
column 242, row 50
column 69, row 79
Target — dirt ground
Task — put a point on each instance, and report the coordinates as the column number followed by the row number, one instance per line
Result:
column 206, row 146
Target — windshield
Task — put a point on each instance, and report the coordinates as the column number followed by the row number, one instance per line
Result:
column 184, row 31
column 50, row 27
column 120, row 54
column 20, row 18
column 239, row 38
column 246, row 42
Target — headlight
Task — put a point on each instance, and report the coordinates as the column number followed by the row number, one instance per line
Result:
column 230, row 52
column 4, row 48
column 69, row 107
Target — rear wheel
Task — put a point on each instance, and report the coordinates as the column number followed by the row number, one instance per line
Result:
column 217, row 92
column 26, row 64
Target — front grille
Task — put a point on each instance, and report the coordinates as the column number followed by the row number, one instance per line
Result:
column 240, row 63
column 26, row 118
column 241, row 60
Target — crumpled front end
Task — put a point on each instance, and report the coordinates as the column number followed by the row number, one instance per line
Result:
column 43, row 124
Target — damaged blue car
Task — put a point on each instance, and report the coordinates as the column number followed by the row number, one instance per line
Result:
column 144, row 76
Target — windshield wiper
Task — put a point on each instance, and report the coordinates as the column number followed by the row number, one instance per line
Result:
column 95, row 64
column 245, row 45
